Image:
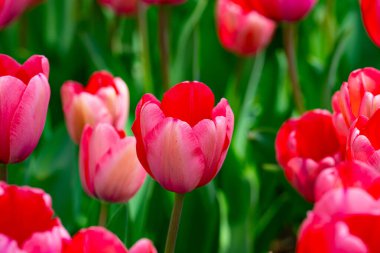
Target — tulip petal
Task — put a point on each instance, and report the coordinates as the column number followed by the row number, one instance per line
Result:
column 37, row 64
column 9, row 246
column 8, row 66
column 143, row 246
column 29, row 118
column 84, row 161
column 122, row 103
column 174, row 155
column 9, row 102
column 119, row 174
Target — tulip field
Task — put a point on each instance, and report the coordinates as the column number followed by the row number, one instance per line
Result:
column 207, row 126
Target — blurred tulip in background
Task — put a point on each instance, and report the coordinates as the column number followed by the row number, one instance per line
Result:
column 11, row 9
column 121, row 7
column 370, row 10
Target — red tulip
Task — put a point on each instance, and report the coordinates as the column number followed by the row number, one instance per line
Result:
column 121, row 7
column 358, row 96
column 342, row 221
column 347, row 174
column 241, row 29
column 371, row 17
column 305, row 147
column 105, row 99
column 364, row 140
column 108, row 164
column 164, row 2
column 27, row 222
column 24, row 99
column 100, row 240
column 183, row 140
column 11, row 9
column 284, row 10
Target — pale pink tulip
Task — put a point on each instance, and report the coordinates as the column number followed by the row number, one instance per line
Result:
column 305, row 147
column 358, row 96
column 108, row 164
column 182, row 141
column 27, row 222
column 105, row 99
column 121, row 7
column 241, row 29
column 24, row 99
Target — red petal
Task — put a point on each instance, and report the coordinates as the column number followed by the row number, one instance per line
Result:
column 100, row 80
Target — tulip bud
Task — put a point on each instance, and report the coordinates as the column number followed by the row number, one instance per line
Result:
column 121, row 7
column 105, row 99
column 24, row 99
column 183, row 140
column 305, row 147
column 10, row 10
column 108, row 164
column 27, row 222
column 371, row 18
column 241, row 29
column 284, row 10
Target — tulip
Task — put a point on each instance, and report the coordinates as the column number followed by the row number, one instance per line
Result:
column 108, row 164
column 100, row 240
column 284, row 10
column 164, row 2
column 364, row 140
column 24, row 99
column 241, row 29
column 358, row 96
column 305, row 147
column 105, row 99
column 347, row 174
column 121, row 7
column 183, row 140
column 27, row 222
column 371, row 18
column 341, row 221
column 10, row 10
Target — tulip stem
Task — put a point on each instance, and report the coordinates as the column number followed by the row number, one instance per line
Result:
column 3, row 172
column 289, row 43
column 103, row 214
column 174, row 223
column 143, row 33
column 163, row 34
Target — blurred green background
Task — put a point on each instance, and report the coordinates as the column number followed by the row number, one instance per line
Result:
column 249, row 207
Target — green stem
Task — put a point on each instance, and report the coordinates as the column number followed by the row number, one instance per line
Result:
column 144, row 38
column 3, row 172
column 163, row 34
column 103, row 214
column 289, row 43
column 113, row 36
column 174, row 223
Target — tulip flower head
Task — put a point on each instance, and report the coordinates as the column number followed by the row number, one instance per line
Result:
column 23, row 110
column 284, row 10
column 241, row 29
column 27, row 222
column 183, row 140
column 121, row 7
column 100, row 240
column 341, row 221
column 360, row 96
column 305, row 147
column 11, row 9
column 109, row 167
column 105, row 99
column 370, row 10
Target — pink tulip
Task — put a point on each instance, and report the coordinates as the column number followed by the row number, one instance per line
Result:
column 121, row 7
column 105, row 99
column 364, row 140
column 370, row 10
column 24, row 99
column 164, row 2
column 108, row 164
column 305, row 147
column 241, row 29
column 183, row 140
column 100, row 240
column 284, row 10
column 358, row 96
column 342, row 221
column 347, row 174
column 11, row 9
column 27, row 222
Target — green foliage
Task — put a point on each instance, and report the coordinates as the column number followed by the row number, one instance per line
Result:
column 249, row 207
